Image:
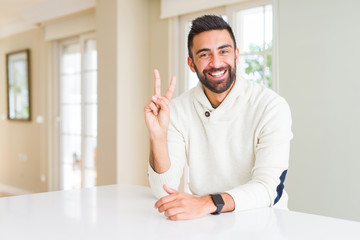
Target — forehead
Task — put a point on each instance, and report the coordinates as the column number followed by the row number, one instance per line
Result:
column 212, row 39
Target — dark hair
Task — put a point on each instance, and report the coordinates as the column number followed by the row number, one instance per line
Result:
column 207, row 23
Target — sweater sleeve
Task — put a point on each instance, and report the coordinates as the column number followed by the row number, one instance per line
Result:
column 271, row 160
column 176, row 148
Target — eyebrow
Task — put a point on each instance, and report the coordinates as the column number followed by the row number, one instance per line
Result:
column 202, row 50
column 208, row 49
column 225, row 46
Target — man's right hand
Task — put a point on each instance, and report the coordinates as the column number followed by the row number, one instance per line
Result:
column 157, row 112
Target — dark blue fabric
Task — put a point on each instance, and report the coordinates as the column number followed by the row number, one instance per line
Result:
column 280, row 187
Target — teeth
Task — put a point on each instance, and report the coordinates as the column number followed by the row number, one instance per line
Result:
column 217, row 74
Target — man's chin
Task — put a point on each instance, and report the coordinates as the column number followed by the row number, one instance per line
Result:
column 219, row 86
column 217, row 89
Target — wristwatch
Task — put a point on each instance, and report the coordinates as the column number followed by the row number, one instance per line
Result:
column 218, row 201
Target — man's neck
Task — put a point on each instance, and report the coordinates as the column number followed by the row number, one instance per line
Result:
column 217, row 98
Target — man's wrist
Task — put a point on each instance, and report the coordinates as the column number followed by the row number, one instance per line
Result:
column 218, row 202
column 159, row 156
column 209, row 204
column 158, row 136
column 229, row 204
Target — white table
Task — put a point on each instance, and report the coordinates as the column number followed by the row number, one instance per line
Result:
column 127, row 212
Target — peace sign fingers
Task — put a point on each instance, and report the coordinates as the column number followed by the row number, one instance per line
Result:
column 157, row 86
column 157, row 112
column 171, row 88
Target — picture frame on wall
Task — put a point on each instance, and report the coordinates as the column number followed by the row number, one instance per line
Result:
column 18, row 85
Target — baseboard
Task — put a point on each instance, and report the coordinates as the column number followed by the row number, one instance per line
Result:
column 12, row 190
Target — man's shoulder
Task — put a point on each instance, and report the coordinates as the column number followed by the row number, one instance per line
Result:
column 263, row 95
column 183, row 100
column 181, row 110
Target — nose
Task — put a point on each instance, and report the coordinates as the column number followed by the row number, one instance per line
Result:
column 215, row 61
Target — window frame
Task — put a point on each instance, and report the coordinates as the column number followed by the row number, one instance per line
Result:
column 58, row 46
column 232, row 11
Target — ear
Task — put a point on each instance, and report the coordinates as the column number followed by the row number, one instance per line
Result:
column 237, row 56
column 191, row 64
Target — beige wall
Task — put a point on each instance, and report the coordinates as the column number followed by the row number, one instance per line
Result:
column 133, row 90
column 126, row 38
column 319, row 62
column 131, row 42
column 159, row 46
column 27, row 138
column 107, row 46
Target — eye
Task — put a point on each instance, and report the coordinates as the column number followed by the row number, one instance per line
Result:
column 224, row 51
column 204, row 55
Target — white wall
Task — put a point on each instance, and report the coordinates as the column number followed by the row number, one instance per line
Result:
column 319, row 77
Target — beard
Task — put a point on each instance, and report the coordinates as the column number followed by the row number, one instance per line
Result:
column 219, row 86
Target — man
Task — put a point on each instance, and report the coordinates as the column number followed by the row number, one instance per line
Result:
column 232, row 133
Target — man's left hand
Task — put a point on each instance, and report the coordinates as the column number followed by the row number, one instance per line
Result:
column 180, row 206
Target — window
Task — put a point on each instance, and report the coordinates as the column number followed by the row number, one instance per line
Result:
column 253, row 31
column 77, row 111
column 252, row 24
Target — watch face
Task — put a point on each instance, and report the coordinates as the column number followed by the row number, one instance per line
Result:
column 218, row 200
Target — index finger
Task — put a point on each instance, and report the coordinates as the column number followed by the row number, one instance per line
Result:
column 157, row 84
column 171, row 88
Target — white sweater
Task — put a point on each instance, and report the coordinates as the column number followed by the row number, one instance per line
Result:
column 241, row 148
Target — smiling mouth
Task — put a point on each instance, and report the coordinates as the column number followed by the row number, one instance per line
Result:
column 217, row 74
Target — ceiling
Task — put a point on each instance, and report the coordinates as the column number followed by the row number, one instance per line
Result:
column 11, row 9
column 21, row 15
